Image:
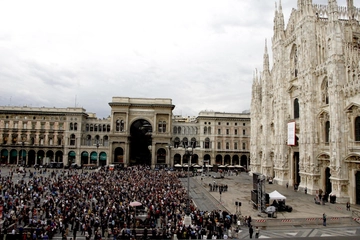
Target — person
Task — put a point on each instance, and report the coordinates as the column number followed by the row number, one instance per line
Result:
column 251, row 231
column 257, row 232
column 324, row 219
column 348, row 206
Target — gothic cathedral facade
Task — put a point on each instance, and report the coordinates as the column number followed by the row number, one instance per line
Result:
column 305, row 109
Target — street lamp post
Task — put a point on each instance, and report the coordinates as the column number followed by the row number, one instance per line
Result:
column 189, row 151
column 97, row 153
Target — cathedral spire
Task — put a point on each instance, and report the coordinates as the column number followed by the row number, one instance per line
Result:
column 333, row 11
column 266, row 58
column 351, row 9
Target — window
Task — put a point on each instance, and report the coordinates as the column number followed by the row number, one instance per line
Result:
column 75, row 126
column 91, row 128
column 244, row 146
column 72, row 140
column 205, row 130
column 43, row 125
column 193, row 142
column 296, row 109
column 209, row 130
column 236, row 132
column 227, row 131
column 185, row 142
column 119, row 125
column 95, row 127
column 325, row 92
column 51, row 126
column 227, row 145
column 219, row 131
column 88, row 140
column 219, row 123
column 71, row 126
column 87, row 127
column 294, row 62
column 219, row 145
column 236, row 146
column 244, row 132
column 357, row 129
column 227, row 124
column 24, row 125
column 327, row 132
column 207, row 143
column 15, row 125
column 243, row 124
column 162, row 126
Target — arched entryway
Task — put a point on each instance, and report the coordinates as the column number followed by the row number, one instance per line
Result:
column 119, row 155
column 218, row 160
column 357, row 182
column 177, row 159
column 84, row 158
column 244, row 162
column 227, row 159
column 328, row 187
column 140, row 141
column 4, row 156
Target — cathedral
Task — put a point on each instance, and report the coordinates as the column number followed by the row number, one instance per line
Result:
column 305, row 108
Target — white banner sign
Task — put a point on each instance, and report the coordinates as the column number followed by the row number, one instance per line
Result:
column 291, row 134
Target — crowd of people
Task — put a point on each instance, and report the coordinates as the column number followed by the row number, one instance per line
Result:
column 98, row 205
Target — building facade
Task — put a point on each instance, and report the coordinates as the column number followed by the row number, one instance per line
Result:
column 305, row 110
column 137, row 131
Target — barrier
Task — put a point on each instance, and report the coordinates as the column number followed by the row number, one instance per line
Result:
column 301, row 221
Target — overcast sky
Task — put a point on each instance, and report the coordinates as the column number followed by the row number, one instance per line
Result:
column 200, row 53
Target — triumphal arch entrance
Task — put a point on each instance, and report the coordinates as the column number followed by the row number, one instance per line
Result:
column 140, row 131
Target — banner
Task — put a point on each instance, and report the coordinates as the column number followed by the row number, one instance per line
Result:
column 291, row 134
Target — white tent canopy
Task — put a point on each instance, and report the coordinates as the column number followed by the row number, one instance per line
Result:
column 275, row 195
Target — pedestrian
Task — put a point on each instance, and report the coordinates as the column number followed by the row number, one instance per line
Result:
column 324, row 219
column 257, row 232
column 348, row 206
column 251, row 231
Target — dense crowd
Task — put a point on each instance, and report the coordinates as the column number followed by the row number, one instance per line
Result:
column 97, row 205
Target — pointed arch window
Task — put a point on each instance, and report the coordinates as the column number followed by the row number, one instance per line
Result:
column 357, row 129
column 296, row 108
column 325, row 92
column 75, row 126
column 209, row 130
column 327, row 131
column 71, row 126
column 205, row 130
column 179, row 130
column 175, row 130
column 294, row 62
column 95, row 127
